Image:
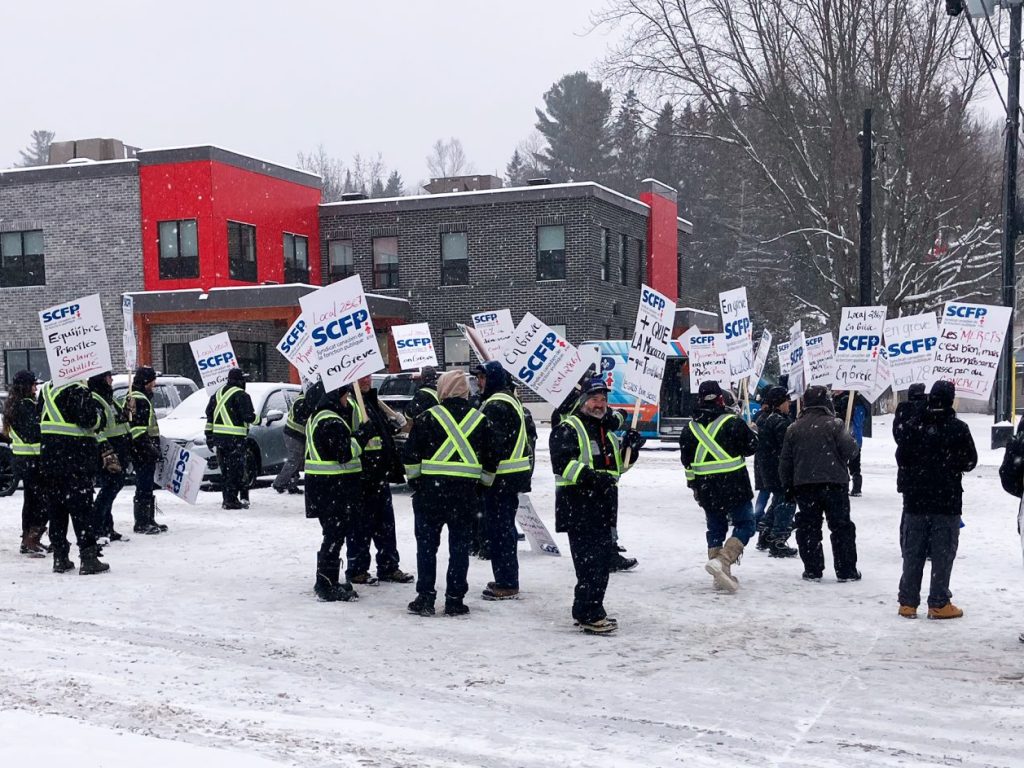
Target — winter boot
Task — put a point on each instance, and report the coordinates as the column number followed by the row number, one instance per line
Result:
column 948, row 611
column 763, row 537
column 719, row 566
column 858, row 482
column 154, row 510
column 777, row 547
column 61, row 562
column 423, row 605
column 598, row 627
column 326, row 588
column 619, row 563
column 397, row 576
column 143, row 515
column 365, row 579
column 908, row 611
column 30, row 544
column 500, row 593
column 453, row 606
column 91, row 563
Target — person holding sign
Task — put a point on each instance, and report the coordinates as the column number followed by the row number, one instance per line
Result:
column 21, row 426
column 145, row 434
column 115, row 454
column 228, row 416
column 713, row 451
column 295, row 439
column 858, row 416
column 426, row 394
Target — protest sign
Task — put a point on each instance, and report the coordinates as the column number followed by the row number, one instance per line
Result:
column 970, row 344
column 860, row 338
column 882, row 380
column 215, row 358
column 415, row 346
column 736, row 326
column 75, row 339
column 819, row 359
column 297, row 348
column 591, row 354
column 342, row 332
column 645, row 366
column 910, row 345
column 128, row 341
column 181, row 470
column 542, row 360
column 475, row 342
column 797, row 353
column 783, row 352
column 707, row 357
column 536, row 532
column 764, row 346
column 495, row 329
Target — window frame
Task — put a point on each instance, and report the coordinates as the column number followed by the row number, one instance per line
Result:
column 556, row 269
column 386, row 276
column 27, row 277
column 292, row 272
column 332, row 275
column 623, row 259
column 462, row 270
column 178, row 260
column 233, row 272
column 456, row 336
column 606, row 254
column 253, row 364
column 41, row 371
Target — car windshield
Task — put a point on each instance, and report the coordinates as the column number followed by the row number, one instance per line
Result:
column 398, row 386
column 192, row 407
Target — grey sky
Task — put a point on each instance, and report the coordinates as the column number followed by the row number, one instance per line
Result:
column 273, row 78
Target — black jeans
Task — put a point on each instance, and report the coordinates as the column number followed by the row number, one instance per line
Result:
column 333, row 528
column 374, row 520
column 231, row 457
column 429, row 522
column 501, row 507
column 934, row 534
column 144, row 484
column 70, row 497
column 33, row 506
column 591, row 550
column 833, row 502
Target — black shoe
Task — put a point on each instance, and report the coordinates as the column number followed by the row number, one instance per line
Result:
column 422, row 606
column 779, row 548
column 279, row 490
column 232, row 504
column 453, row 606
column 148, row 529
column 397, row 576
column 811, row 577
column 520, row 536
column 619, row 548
column 91, row 563
column 620, row 563
column 363, row 578
column 115, row 536
column 61, row 564
column 855, row 576
column 855, row 494
column 763, row 541
column 244, row 503
column 294, row 490
column 325, row 591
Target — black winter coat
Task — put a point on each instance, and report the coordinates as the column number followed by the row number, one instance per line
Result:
column 817, row 449
column 905, row 412
column 333, row 495
column 1011, row 471
column 383, row 466
column 934, row 450
column 145, row 449
column 241, row 411
column 302, row 408
column 424, row 399
column 64, row 456
column 724, row 492
column 505, row 425
column 25, row 421
column 771, row 432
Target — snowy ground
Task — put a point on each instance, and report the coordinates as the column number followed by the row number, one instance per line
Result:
column 205, row 646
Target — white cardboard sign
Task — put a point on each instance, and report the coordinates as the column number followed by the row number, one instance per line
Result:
column 970, row 345
column 783, row 352
column 645, row 365
column 764, row 346
column 128, row 341
column 181, row 471
column 75, row 339
column 297, row 348
column 342, row 332
column 910, row 344
column 707, row 356
column 797, row 353
column 820, row 359
column 738, row 333
column 536, row 532
column 860, row 338
column 883, row 378
column 215, row 358
column 495, row 329
column 415, row 346
column 542, row 360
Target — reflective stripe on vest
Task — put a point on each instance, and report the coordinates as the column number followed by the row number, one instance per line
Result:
column 719, row 462
column 112, row 427
column 290, row 422
column 20, row 448
column 519, row 461
column 222, row 423
column 571, row 474
column 53, row 422
column 455, row 457
column 316, row 465
column 358, row 417
column 432, row 393
column 150, row 427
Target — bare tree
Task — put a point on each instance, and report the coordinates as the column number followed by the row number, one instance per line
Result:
column 331, row 171
column 448, row 158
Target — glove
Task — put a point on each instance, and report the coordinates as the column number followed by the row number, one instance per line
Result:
column 603, row 482
column 633, row 441
column 365, row 433
column 110, row 461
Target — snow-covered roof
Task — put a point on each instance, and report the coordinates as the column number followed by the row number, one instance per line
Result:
column 187, row 147
column 67, row 165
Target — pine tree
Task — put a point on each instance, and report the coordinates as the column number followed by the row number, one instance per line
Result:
column 395, row 187
column 662, row 149
column 515, row 171
column 628, row 143
column 38, row 152
column 377, row 188
column 575, row 123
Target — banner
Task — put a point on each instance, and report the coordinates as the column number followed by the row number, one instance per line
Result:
column 542, row 360
column 970, row 345
column 495, row 329
column 342, row 331
column 75, row 339
column 764, row 346
column 215, row 358
column 738, row 333
column 536, row 532
column 128, row 341
column 645, row 366
column 708, row 360
column 882, row 379
column 910, row 344
column 297, row 348
column 797, row 364
column 783, row 352
column 476, row 343
column 860, row 338
column 819, row 357
column 181, row 471
column 415, row 346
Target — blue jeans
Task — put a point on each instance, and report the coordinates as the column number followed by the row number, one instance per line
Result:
column 743, row 526
column 761, row 504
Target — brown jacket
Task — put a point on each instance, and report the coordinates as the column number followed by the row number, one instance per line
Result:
column 817, row 449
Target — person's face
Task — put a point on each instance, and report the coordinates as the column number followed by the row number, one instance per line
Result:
column 109, row 379
column 481, row 381
column 596, row 405
column 364, row 384
column 150, row 386
column 35, row 390
column 784, row 408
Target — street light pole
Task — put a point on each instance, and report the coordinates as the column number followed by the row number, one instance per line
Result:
column 866, row 291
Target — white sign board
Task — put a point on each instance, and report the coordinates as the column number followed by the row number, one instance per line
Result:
column 297, row 348
column 860, row 338
column 910, row 344
column 215, row 359
column 342, row 332
column 797, row 353
column 415, row 346
column 783, row 351
column 495, row 329
column 542, row 360
column 819, row 358
column 970, row 344
column 181, row 471
column 738, row 334
column 536, row 532
column 645, row 365
column 764, row 346
column 128, row 341
column 707, row 357
column 475, row 342
column 75, row 339
column 591, row 354
column 882, row 381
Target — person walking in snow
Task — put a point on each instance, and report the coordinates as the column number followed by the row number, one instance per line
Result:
column 774, row 521
column 21, row 427
column 145, row 450
column 229, row 414
column 933, row 451
column 115, row 454
column 813, row 468
column 713, row 450
column 1011, row 473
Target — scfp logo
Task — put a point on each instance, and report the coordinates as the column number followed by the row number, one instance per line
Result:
column 339, row 328
column 60, row 313
column 699, row 341
column 857, row 343
column 737, row 328
column 910, row 346
column 413, row 343
column 293, row 337
column 179, row 471
column 539, row 357
column 954, row 311
column 652, row 299
column 488, row 318
column 216, row 361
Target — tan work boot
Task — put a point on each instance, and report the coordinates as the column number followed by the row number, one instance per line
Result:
column 719, row 565
column 948, row 611
column 908, row 611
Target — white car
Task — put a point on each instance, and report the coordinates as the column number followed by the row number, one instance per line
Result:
column 185, row 425
column 170, row 391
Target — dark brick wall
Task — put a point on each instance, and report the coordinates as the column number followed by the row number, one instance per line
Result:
column 266, row 331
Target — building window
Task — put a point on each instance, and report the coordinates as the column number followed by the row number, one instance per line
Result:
column 559, row 329
column 623, row 259
column 551, row 252
column 606, row 254
column 641, row 262
column 454, row 259
column 242, row 251
column 385, row 262
column 25, row 360
column 21, row 259
column 178, row 243
column 456, row 348
column 296, row 258
column 340, row 261
column 252, row 358
column 179, row 361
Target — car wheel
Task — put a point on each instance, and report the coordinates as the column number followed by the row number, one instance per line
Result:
column 8, row 478
column 252, row 466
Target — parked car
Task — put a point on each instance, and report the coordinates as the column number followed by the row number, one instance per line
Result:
column 265, row 453
column 170, row 391
column 397, row 390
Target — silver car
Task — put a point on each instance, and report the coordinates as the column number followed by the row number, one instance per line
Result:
column 170, row 391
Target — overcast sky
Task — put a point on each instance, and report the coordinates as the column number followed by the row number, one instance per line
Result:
column 273, row 78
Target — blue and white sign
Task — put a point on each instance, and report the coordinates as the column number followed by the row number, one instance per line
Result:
column 495, row 328
column 128, row 340
column 75, row 339
column 910, row 344
column 797, row 352
column 707, row 358
column 764, row 346
column 297, row 348
column 970, row 344
column 820, row 359
column 860, row 339
column 215, row 358
column 415, row 346
column 736, row 326
column 645, row 366
column 181, row 471
column 542, row 360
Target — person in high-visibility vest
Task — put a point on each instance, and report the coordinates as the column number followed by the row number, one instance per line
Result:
column 588, row 459
column 448, row 458
column 299, row 412
column 426, row 394
column 229, row 414
column 145, row 436
column 21, row 426
column 713, row 450
column 115, row 454
column 333, row 476
column 69, row 421
column 513, row 436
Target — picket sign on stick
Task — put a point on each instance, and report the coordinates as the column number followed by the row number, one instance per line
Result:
column 850, row 394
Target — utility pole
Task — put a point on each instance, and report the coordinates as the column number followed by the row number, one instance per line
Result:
column 866, row 158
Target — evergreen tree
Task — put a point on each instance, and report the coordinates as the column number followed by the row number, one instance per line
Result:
column 628, row 146
column 515, row 171
column 575, row 123
column 662, row 150
column 38, row 152
column 377, row 188
column 395, row 187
